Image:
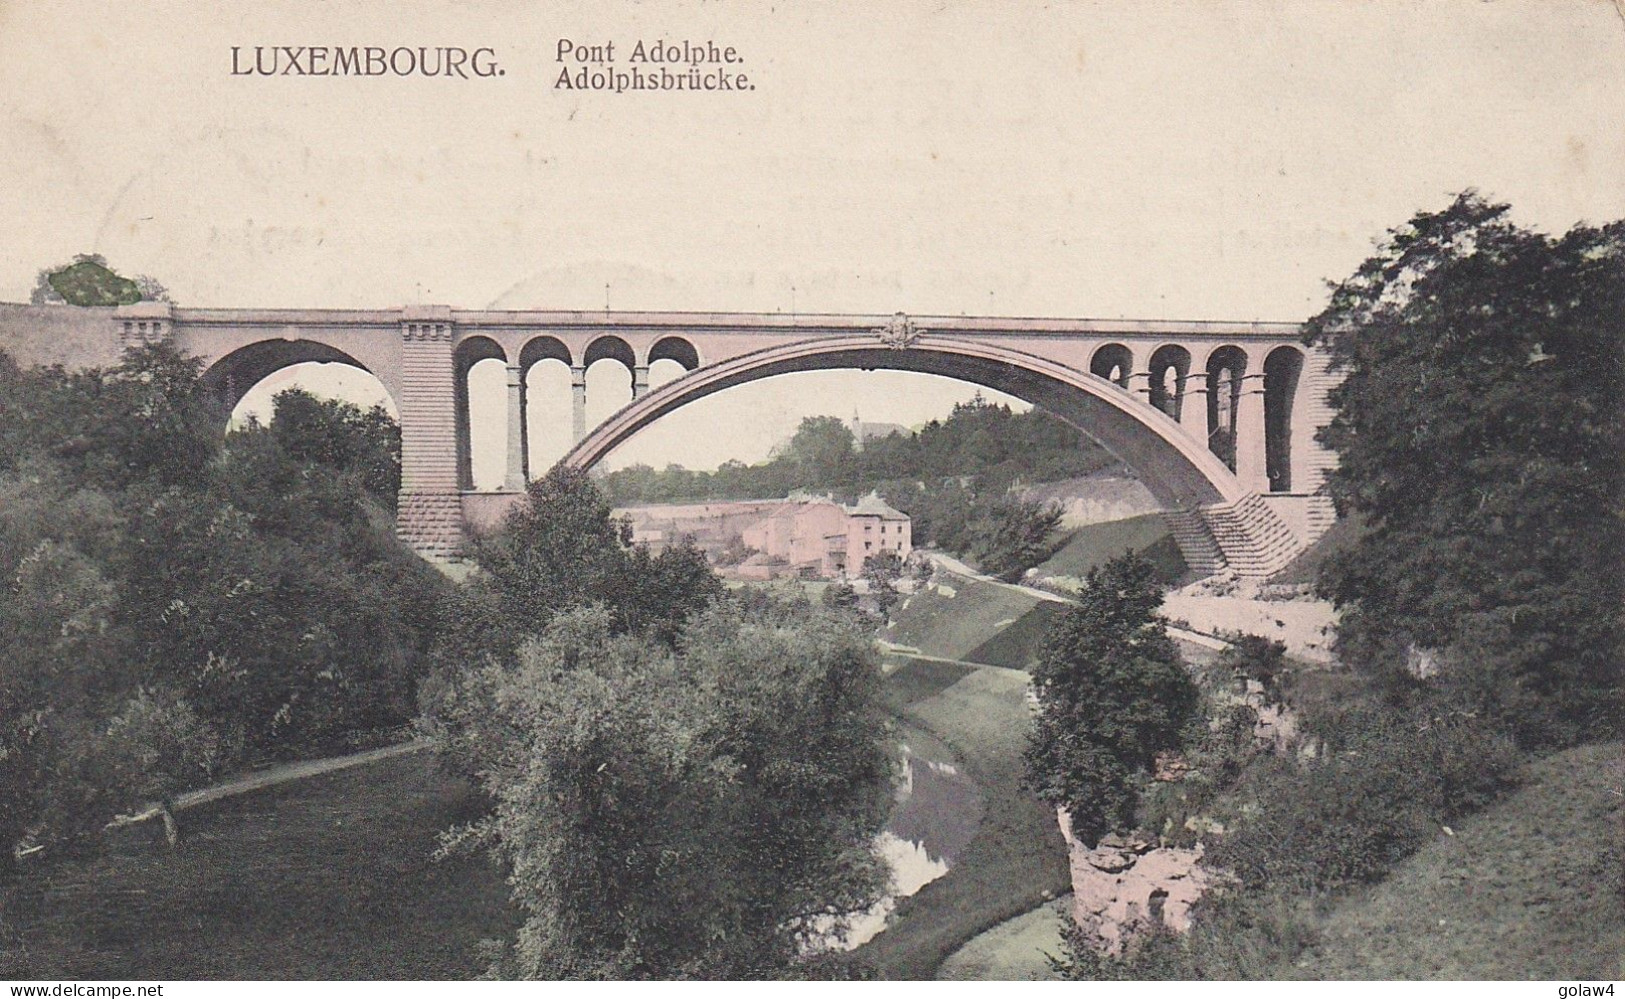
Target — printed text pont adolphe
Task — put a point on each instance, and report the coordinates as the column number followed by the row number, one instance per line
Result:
column 657, row 66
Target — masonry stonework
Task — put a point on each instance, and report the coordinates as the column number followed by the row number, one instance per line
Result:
column 1153, row 407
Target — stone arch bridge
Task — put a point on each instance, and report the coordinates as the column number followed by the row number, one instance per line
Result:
column 1218, row 419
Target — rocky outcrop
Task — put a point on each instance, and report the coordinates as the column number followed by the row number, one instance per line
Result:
column 1094, row 499
column 1125, row 884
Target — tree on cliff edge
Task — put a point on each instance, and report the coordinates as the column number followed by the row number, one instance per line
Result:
column 88, row 281
column 1112, row 694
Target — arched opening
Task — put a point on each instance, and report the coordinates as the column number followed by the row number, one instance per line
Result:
column 671, row 358
column 244, row 382
column 1177, row 471
column 609, row 348
column 609, row 362
column 546, row 364
column 1113, row 362
column 1170, row 367
column 1282, row 369
column 665, row 370
column 544, row 348
column 481, row 386
column 674, row 348
column 324, row 379
column 1226, row 367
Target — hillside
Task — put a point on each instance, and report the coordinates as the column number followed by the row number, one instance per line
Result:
column 974, row 621
column 1342, row 535
column 954, row 617
column 998, row 625
column 1532, row 887
column 1094, row 544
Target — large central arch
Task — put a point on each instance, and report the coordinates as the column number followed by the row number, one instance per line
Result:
column 1178, row 470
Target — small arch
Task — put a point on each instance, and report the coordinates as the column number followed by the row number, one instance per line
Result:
column 675, row 348
column 1170, row 368
column 543, row 348
column 468, row 354
column 1113, row 362
column 1282, row 369
column 611, row 348
column 1226, row 369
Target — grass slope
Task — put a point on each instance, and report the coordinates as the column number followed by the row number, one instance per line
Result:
column 1533, row 887
column 953, row 627
column 324, row 878
column 330, row 877
column 1095, row 544
column 1013, row 951
column 1016, row 646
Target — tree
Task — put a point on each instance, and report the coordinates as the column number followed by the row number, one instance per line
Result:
column 823, row 452
column 342, row 436
column 699, row 812
column 1010, row 535
column 173, row 605
column 563, row 549
column 1112, row 694
column 147, row 419
column 881, row 571
column 1479, row 432
column 88, row 281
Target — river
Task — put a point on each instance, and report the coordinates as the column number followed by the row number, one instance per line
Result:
column 935, row 816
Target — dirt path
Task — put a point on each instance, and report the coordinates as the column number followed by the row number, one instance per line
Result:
column 959, row 568
column 279, row 773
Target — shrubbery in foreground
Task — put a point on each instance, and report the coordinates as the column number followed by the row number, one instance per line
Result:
column 178, row 601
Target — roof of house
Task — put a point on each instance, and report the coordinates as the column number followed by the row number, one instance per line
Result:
column 873, row 506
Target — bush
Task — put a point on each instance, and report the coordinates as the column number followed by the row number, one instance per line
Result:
column 1259, row 659
column 1234, row 936
column 1383, row 783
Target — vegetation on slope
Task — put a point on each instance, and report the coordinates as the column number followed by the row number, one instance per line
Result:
column 978, row 441
column 684, row 784
column 1479, row 443
column 329, row 878
column 1480, row 436
column 954, row 627
column 1532, row 887
column 182, row 602
column 1092, row 545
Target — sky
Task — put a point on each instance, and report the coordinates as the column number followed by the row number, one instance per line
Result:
column 1143, row 160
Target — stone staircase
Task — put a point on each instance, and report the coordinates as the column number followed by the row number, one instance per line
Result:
column 1196, row 544
column 1320, row 516
column 1256, row 542
column 431, row 524
column 1248, row 537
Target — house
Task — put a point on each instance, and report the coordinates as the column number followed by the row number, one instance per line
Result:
column 810, row 536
